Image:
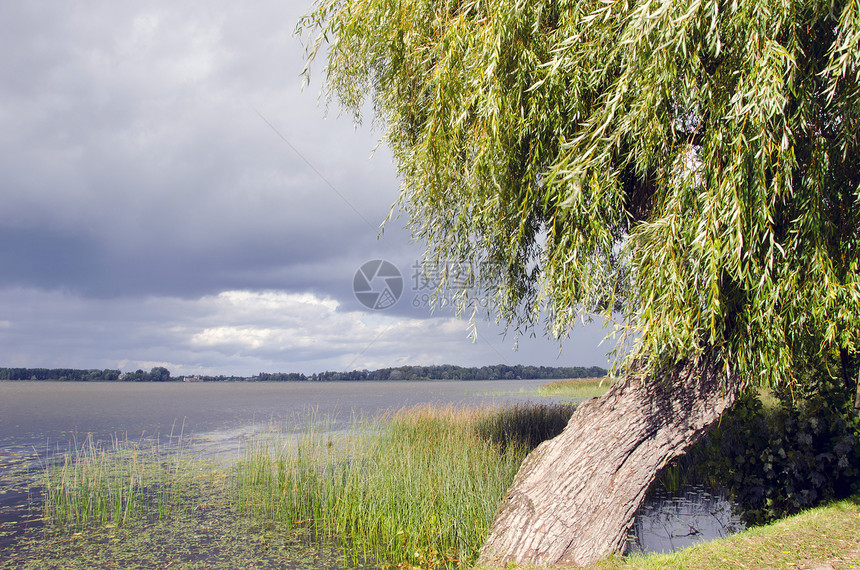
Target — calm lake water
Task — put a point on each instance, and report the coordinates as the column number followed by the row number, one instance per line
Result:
column 43, row 414
column 38, row 419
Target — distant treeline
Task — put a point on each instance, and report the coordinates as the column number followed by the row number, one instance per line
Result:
column 439, row 372
column 62, row 374
column 444, row 372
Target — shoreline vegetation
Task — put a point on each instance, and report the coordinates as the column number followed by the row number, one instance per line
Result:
column 414, row 489
column 577, row 389
column 419, row 487
column 401, row 373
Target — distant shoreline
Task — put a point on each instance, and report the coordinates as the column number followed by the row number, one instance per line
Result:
column 444, row 372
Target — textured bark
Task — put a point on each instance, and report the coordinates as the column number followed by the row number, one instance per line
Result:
column 575, row 496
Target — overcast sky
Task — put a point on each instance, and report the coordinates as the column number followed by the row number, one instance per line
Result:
column 169, row 195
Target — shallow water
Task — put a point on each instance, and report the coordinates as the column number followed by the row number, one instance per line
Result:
column 667, row 522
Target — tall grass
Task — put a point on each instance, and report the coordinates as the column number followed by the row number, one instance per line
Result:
column 117, row 482
column 526, row 424
column 419, row 487
column 577, row 389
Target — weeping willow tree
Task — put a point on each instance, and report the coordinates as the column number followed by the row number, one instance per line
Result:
column 693, row 166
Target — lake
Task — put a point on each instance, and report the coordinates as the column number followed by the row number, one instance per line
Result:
column 38, row 419
column 41, row 414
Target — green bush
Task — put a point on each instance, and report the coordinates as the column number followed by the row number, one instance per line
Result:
column 779, row 461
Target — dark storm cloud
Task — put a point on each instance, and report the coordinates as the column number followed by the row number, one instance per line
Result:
column 34, row 256
column 135, row 159
column 170, row 196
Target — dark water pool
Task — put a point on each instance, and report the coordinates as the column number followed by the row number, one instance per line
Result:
column 667, row 522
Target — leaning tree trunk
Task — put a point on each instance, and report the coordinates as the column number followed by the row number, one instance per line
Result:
column 575, row 497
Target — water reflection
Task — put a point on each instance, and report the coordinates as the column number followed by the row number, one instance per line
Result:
column 667, row 522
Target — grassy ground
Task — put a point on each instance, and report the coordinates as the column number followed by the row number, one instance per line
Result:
column 826, row 537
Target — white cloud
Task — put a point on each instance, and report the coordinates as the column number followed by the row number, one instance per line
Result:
column 246, row 332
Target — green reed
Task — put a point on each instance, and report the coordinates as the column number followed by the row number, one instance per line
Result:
column 118, row 481
column 419, row 487
column 577, row 389
column 528, row 424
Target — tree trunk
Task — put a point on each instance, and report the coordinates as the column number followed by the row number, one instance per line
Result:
column 575, row 496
